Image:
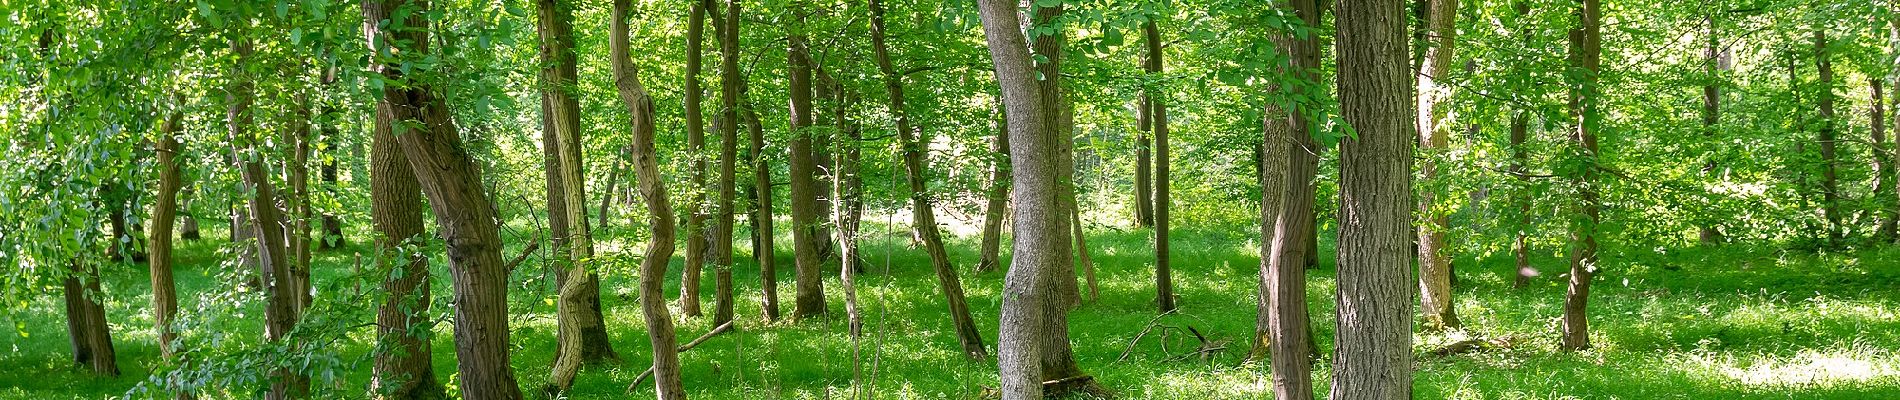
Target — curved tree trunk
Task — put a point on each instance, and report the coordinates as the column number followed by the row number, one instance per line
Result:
column 267, row 225
column 659, row 252
column 403, row 325
column 1434, row 266
column 159, row 240
column 581, row 330
column 1283, row 328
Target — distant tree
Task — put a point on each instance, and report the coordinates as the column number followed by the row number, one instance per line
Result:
column 1434, row 266
column 1585, row 61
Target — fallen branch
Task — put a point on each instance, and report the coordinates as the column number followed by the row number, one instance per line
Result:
column 723, row 328
column 1473, row 346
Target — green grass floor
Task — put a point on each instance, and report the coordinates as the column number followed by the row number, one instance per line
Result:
column 1697, row 323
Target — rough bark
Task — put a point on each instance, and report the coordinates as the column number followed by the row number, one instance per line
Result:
column 581, row 330
column 659, row 251
column 1283, row 326
column 729, row 86
column 1056, row 356
column 696, row 234
column 464, row 214
column 1038, row 240
column 1434, row 266
column 159, row 240
column 1373, row 357
column 266, row 223
column 923, row 214
column 1158, row 118
column 1585, row 61
column 764, row 251
column 403, row 327
column 810, row 300
column 91, row 338
column 997, row 197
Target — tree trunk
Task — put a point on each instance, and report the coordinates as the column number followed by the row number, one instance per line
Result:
column 1883, row 161
column 297, row 176
column 923, row 216
column 1158, row 116
column 330, row 135
column 1144, row 180
column 998, row 195
column 464, row 214
column 1585, row 59
column 1057, row 356
column 1521, row 197
column 1373, row 357
column 159, row 240
column 729, row 86
column 659, row 252
column 403, row 326
column 764, row 250
column 1434, row 266
column 1082, row 254
column 581, row 330
column 86, row 321
column 1711, row 233
column 810, row 288
column 696, row 234
column 1283, row 326
column 267, row 225
column 1830, row 183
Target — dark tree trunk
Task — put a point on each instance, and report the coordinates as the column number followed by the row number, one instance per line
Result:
column 464, row 214
column 267, row 225
column 159, row 240
column 1711, row 233
column 1434, row 266
column 696, row 234
column 659, row 252
column 1585, row 60
column 1373, row 357
column 86, row 321
column 923, row 216
column 764, row 251
column 1158, row 117
column 1056, row 356
column 729, row 86
column 1283, row 327
column 1144, row 179
column 805, row 213
column 1883, row 162
column 1830, row 183
column 1521, row 198
column 403, row 326
column 998, row 195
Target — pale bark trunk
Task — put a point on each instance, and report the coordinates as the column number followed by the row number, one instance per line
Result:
column 1434, row 265
column 581, row 330
column 659, row 252
column 1038, row 239
column 159, row 240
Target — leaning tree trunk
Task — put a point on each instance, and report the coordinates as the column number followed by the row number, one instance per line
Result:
column 267, row 224
column 1158, row 117
column 464, row 214
column 810, row 288
column 1434, row 266
column 86, row 321
column 923, row 216
column 1585, row 56
column 1373, row 356
column 696, row 234
column 998, row 195
column 646, row 170
column 1283, row 326
column 403, row 326
column 729, row 86
column 581, row 332
column 159, row 240
column 1039, row 239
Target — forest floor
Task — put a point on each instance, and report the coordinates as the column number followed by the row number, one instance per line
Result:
column 1694, row 323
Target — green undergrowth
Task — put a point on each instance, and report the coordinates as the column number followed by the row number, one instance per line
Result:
column 1730, row 322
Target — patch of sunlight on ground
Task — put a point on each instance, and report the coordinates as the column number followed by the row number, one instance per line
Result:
column 1815, row 369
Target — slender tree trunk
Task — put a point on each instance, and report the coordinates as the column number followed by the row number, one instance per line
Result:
column 267, row 225
column 696, row 234
column 1082, row 254
column 1434, row 266
column 998, row 195
column 1158, row 114
column 1373, row 357
column 922, row 207
column 1521, row 198
column 646, row 170
column 159, row 240
column 764, row 250
column 811, row 291
column 297, row 176
column 729, row 86
column 607, row 195
column 1585, row 61
column 1893, row 152
column 403, row 325
column 1883, row 161
column 1283, row 327
column 1830, row 183
column 581, row 329
column 464, row 214
column 1711, row 233
column 1144, row 179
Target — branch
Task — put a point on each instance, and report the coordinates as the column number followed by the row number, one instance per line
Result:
column 723, row 328
column 525, row 252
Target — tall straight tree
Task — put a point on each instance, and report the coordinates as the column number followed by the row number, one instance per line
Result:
column 923, row 216
column 159, row 240
column 1830, row 181
column 1144, row 178
column 997, row 197
column 763, row 250
column 264, row 219
column 646, row 170
column 403, row 323
column 1883, row 160
column 1157, row 101
column 578, row 310
column 728, row 125
column 1434, row 266
column 848, row 189
column 1283, row 326
column 1585, row 60
column 1057, row 355
column 1373, row 357
column 696, row 234
column 450, row 179
column 1714, row 64
column 1520, row 196
column 805, row 214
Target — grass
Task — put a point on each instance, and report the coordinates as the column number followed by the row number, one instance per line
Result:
column 1730, row 322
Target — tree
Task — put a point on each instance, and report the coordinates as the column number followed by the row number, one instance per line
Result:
column 1283, row 327
column 805, row 213
column 465, row 216
column 923, row 216
column 763, row 250
column 646, row 170
column 1584, row 63
column 1830, row 181
column 729, row 87
column 159, row 240
column 1158, row 118
column 696, row 234
column 265, row 221
column 1373, row 357
column 997, row 198
column 403, row 327
column 1434, row 266
column 572, row 238
column 1715, row 64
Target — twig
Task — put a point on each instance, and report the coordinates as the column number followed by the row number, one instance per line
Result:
column 723, row 328
column 525, row 252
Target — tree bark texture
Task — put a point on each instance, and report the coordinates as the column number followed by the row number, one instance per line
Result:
column 810, row 300
column 403, row 327
column 1585, row 61
column 159, row 240
column 659, row 252
column 1436, row 302
column 1158, row 117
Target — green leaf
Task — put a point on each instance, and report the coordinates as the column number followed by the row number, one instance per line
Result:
column 1048, row 3
column 1111, row 36
column 296, row 35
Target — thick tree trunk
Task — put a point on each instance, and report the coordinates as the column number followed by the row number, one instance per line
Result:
column 729, row 86
column 159, row 240
column 581, row 333
column 997, row 196
column 1158, row 116
column 1830, row 183
column 403, row 326
column 267, row 225
column 1373, row 357
column 805, row 214
column 1283, row 326
column 86, row 321
column 1056, row 356
column 1434, row 266
column 696, row 234
column 1585, row 60
column 659, row 252
column 1039, row 240
column 464, row 214
column 923, row 214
